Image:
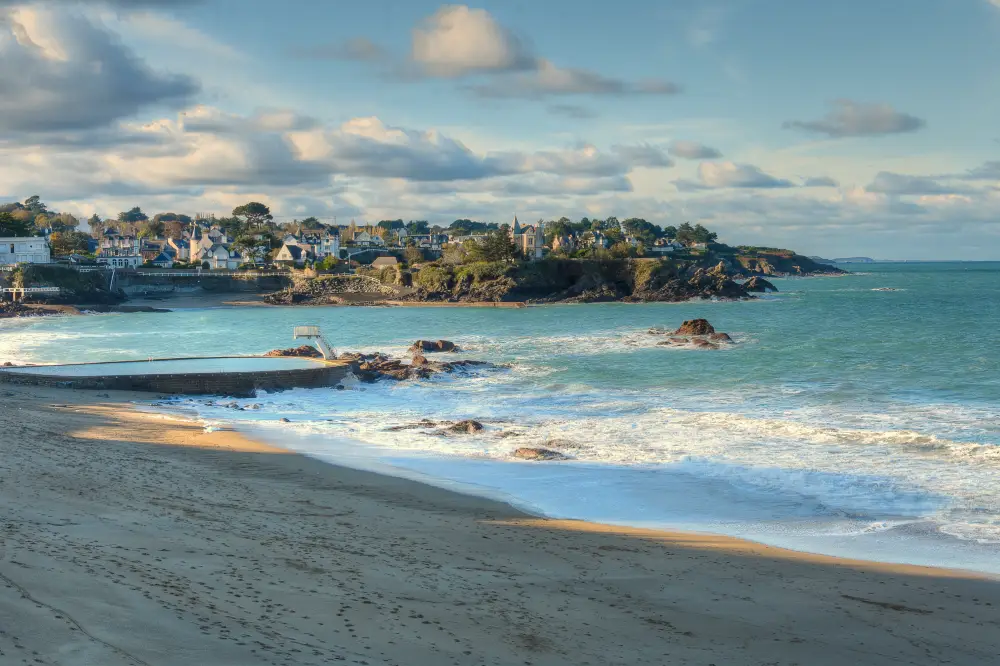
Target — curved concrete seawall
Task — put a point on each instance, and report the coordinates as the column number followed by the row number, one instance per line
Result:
column 146, row 376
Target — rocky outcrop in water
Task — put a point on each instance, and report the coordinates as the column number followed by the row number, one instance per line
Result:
column 759, row 285
column 12, row 310
column 441, row 428
column 373, row 367
column 305, row 351
column 694, row 333
column 467, row 427
column 433, row 346
column 538, row 453
column 695, row 327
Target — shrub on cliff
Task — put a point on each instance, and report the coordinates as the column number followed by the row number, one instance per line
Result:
column 434, row 279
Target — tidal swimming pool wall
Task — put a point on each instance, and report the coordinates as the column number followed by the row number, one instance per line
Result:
column 231, row 375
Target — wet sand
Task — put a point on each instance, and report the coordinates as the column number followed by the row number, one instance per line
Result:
column 130, row 538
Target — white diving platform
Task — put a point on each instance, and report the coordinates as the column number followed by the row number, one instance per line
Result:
column 313, row 333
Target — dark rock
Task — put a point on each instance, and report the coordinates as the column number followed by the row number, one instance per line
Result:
column 284, row 420
column 561, row 444
column 720, row 337
column 465, row 427
column 704, row 344
column 536, row 453
column 759, row 285
column 433, row 346
column 305, row 351
column 423, row 423
column 695, row 327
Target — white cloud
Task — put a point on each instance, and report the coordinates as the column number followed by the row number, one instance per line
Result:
column 80, row 75
column 456, row 41
column 886, row 182
column 692, row 150
column 730, row 174
column 548, row 79
column 820, row 181
column 849, row 118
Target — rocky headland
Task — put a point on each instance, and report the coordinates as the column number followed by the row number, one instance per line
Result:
column 730, row 274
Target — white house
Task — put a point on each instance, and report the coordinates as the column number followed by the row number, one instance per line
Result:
column 529, row 239
column 28, row 250
column 293, row 255
column 119, row 251
column 219, row 257
column 365, row 239
column 322, row 245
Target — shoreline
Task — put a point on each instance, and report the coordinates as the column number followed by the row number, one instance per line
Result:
column 134, row 538
column 472, row 490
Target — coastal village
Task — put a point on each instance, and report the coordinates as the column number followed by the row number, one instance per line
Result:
column 55, row 258
column 251, row 239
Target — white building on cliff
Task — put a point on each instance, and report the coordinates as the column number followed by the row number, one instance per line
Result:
column 530, row 240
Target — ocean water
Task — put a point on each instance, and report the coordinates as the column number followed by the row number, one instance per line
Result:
column 847, row 420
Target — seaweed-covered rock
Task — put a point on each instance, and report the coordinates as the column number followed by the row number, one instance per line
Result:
column 467, row 427
column 538, row 453
column 695, row 327
column 305, row 351
column 759, row 285
column 433, row 346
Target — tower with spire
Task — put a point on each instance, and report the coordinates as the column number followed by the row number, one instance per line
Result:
column 539, row 239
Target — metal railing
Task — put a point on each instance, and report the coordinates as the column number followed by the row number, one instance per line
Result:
column 31, row 290
column 207, row 273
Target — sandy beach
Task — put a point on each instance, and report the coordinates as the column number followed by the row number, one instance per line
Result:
column 130, row 538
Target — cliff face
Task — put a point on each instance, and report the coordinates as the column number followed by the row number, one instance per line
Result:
column 576, row 281
column 782, row 263
column 77, row 288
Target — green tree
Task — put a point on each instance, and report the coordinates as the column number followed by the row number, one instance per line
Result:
column 13, row 226
column 703, row 235
column 35, row 205
column 496, row 246
column 670, row 232
column 151, row 229
column 254, row 215
column 390, row 225
column 685, row 233
column 413, row 255
column 68, row 242
column 234, row 226
column 418, row 227
column 253, row 246
column 97, row 226
column 622, row 250
column 172, row 217
column 63, row 222
column 133, row 216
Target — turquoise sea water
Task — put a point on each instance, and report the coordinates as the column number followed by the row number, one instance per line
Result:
column 845, row 420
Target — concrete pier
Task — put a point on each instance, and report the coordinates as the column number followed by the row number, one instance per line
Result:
column 192, row 376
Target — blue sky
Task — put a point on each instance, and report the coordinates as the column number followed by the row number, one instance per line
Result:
column 858, row 127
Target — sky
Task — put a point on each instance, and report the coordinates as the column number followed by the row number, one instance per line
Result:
column 860, row 127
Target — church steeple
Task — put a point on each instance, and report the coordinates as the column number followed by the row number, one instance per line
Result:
column 517, row 226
